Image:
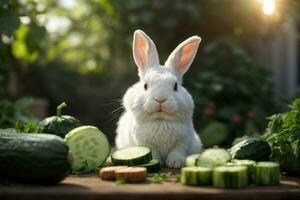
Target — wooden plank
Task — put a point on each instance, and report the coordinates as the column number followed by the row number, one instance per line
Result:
column 91, row 187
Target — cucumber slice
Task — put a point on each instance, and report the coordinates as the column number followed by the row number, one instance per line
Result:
column 213, row 157
column 131, row 156
column 190, row 161
column 267, row 173
column 152, row 166
column 89, row 146
column 196, row 175
column 250, row 164
column 230, row 176
column 228, row 164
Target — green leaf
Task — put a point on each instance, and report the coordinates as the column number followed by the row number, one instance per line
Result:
column 22, row 47
column 291, row 119
column 275, row 123
column 283, row 135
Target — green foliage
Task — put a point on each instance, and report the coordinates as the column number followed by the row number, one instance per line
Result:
column 9, row 22
column 30, row 42
column 231, row 89
column 28, row 127
column 21, row 41
column 283, row 135
column 94, row 37
column 26, row 38
column 9, row 17
column 160, row 177
column 185, row 17
column 16, row 114
column 89, row 35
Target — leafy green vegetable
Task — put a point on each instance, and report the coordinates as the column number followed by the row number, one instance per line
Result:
column 159, row 177
column 29, row 127
column 283, row 135
column 15, row 112
column 120, row 181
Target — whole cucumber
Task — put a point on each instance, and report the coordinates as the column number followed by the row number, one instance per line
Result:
column 33, row 158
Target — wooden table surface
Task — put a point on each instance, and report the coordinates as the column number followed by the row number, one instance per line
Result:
column 89, row 187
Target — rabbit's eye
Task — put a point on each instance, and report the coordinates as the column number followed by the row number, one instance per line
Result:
column 145, row 86
column 175, row 87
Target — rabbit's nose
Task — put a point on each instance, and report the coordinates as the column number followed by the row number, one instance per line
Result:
column 160, row 100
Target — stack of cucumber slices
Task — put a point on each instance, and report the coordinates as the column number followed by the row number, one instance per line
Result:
column 140, row 156
column 215, row 167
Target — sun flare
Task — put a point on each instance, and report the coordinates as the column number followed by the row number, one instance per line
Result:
column 268, row 6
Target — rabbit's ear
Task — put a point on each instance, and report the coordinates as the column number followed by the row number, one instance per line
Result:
column 182, row 57
column 144, row 51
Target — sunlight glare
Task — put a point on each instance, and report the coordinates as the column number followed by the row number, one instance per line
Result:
column 268, row 6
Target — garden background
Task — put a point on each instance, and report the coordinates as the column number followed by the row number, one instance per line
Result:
column 79, row 52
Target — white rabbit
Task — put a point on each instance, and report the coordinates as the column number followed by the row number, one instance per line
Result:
column 158, row 109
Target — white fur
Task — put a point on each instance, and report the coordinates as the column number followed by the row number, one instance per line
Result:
column 169, row 133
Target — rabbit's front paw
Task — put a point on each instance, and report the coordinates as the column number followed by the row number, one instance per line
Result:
column 175, row 159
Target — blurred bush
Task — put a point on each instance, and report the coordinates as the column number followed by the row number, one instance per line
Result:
column 15, row 113
column 232, row 95
column 169, row 22
column 66, row 49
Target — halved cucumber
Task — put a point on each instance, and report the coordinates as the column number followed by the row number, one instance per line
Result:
column 89, row 146
column 250, row 164
column 213, row 157
column 230, row 176
column 131, row 156
column 267, row 173
column 190, row 161
column 152, row 166
column 196, row 175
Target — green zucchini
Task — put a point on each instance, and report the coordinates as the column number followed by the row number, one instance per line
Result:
column 196, row 175
column 250, row 164
column 89, row 146
column 190, row 161
column 60, row 124
column 251, row 149
column 267, row 173
column 152, row 166
column 33, row 158
column 213, row 157
column 131, row 156
column 230, row 176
